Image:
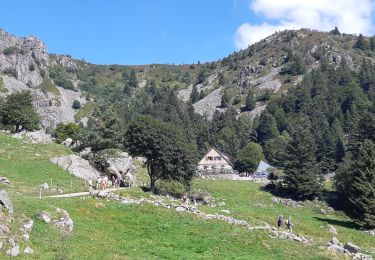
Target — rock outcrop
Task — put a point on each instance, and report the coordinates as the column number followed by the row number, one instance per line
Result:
column 5, row 201
column 28, row 56
column 77, row 166
column 122, row 162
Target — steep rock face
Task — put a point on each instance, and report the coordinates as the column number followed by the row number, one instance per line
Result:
column 28, row 56
column 52, row 108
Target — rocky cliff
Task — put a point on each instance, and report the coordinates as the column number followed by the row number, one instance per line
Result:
column 24, row 65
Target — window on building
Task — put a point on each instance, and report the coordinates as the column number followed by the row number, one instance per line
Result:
column 217, row 158
column 209, row 158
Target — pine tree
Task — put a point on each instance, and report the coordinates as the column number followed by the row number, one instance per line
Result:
column 250, row 101
column 133, row 79
column 302, row 177
column 267, row 128
column 361, row 43
column 194, row 96
column 361, row 190
column 225, row 99
column 335, row 31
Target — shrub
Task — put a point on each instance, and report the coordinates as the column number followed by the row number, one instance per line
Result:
column 11, row 72
column 201, row 196
column 31, row 67
column 64, row 131
column 76, row 104
column 237, row 100
column 170, row 187
column 12, row 50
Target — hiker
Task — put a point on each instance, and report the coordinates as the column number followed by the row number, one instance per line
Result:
column 113, row 181
column 105, row 182
column 290, row 225
column 99, row 183
column 280, row 221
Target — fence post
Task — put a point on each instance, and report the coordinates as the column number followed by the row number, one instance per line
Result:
column 40, row 192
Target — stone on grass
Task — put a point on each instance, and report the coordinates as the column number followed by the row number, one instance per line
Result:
column 65, row 222
column 28, row 225
column 332, row 229
column 44, row 216
column 14, row 251
column 352, row 248
column 5, row 201
column 44, row 186
column 180, row 209
column 4, row 180
column 225, row 211
column 28, row 250
column 3, row 230
column 336, row 248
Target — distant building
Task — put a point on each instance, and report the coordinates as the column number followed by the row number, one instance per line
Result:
column 263, row 168
column 215, row 162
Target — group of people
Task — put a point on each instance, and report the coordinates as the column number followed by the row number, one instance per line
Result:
column 102, row 183
column 288, row 223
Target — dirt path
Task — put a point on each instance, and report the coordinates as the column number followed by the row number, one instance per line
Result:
column 79, row 194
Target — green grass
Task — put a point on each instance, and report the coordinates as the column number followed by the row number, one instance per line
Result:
column 84, row 111
column 111, row 230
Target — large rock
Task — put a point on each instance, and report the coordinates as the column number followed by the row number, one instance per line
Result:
column 77, row 166
column 3, row 230
column 28, row 52
column 5, row 201
column 122, row 162
column 14, row 251
column 65, row 222
column 44, row 216
column 352, row 248
column 28, row 250
column 35, row 137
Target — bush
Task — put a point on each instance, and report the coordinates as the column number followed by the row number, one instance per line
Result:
column 31, row 67
column 76, row 104
column 200, row 196
column 12, row 50
column 64, row 131
column 11, row 72
column 170, row 187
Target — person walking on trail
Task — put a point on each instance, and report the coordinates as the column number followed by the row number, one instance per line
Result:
column 280, row 221
column 290, row 225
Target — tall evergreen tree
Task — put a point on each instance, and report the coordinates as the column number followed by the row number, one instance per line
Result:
column 194, row 95
column 267, row 128
column 361, row 188
column 250, row 101
column 361, row 43
column 302, row 177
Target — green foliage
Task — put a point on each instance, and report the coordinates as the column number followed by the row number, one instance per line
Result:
column 267, row 128
column 249, row 157
column 250, row 101
column 335, row 31
column 170, row 187
column 169, row 155
column 302, row 177
column 226, row 98
column 104, row 130
column 356, row 182
column 361, row 43
column 47, row 86
column 13, row 50
column 295, row 64
column 194, row 96
column 60, row 77
column 201, row 76
column 19, row 112
column 133, row 79
column 76, row 104
column 3, row 89
column 275, row 149
column 64, row 131
column 236, row 100
column 11, row 72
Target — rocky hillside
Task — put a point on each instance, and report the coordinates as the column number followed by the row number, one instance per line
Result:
column 24, row 65
column 265, row 68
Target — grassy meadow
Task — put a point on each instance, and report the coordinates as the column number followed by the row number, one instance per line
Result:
column 111, row 230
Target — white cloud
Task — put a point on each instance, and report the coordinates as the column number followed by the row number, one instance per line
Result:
column 350, row 16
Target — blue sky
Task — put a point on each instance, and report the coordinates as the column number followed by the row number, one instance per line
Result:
column 172, row 31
